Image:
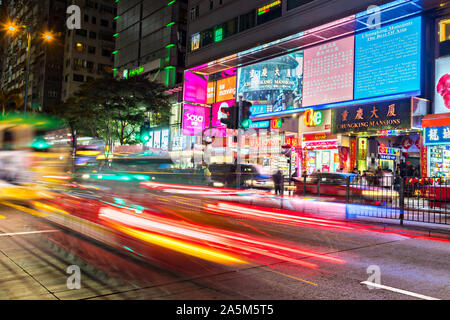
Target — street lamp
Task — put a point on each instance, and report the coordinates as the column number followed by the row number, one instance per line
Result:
column 47, row 36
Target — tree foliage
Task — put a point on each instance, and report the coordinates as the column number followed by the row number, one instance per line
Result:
column 113, row 109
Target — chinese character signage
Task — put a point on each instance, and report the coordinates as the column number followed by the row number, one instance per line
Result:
column 275, row 83
column 372, row 117
column 436, row 135
column 387, row 60
column 328, row 72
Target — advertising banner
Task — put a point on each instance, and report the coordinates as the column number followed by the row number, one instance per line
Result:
column 194, row 119
column 372, row 117
column 328, row 72
column 442, row 88
column 275, row 83
column 436, row 135
column 226, row 89
column 195, row 87
column 388, row 59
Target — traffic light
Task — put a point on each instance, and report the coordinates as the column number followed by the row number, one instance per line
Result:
column 230, row 117
column 144, row 132
column 245, row 116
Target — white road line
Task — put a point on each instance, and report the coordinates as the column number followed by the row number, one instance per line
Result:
column 409, row 293
column 27, row 232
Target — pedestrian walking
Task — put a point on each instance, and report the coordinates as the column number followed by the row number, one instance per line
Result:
column 278, row 181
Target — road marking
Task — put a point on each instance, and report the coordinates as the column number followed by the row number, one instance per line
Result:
column 24, row 209
column 409, row 293
column 26, row 232
column 292, row 277
column 2, row 217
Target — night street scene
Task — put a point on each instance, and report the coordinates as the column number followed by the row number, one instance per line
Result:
column 223, row 156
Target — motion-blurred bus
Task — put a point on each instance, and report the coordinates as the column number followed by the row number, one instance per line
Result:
column 35, row 153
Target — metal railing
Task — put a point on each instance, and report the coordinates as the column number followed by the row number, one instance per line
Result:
column 424, row 199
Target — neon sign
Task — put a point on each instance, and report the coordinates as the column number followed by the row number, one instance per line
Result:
column 276, row 123
column 269, row 7
column 313, row 118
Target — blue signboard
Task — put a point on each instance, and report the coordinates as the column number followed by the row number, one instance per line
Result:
column 388, row 59
column 259, row 124
column 436, row 135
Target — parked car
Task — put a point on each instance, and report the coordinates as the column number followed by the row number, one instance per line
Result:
column 335, row 184
column 252, row 176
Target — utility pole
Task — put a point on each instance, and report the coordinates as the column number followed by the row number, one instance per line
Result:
column 27, row 76
column 239, row 143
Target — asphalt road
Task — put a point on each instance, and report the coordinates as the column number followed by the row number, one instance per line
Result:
column 35, row 255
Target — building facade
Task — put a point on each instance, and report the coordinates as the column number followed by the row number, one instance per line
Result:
column 151, row 41
column 341, row 85
column 89, row 51
column 46, row 57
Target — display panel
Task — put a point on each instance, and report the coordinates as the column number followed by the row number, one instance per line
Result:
column 275, row 83
column 194, row 119
column 328, row 72
column 195, row 87
column 388, row 60
column 442, row 87
column 226, row 89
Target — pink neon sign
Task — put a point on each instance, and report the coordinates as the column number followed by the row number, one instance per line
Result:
column 195, row 119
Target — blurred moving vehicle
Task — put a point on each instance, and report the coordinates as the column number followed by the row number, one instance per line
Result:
column 34, row 155
column 335, row 184
column 138, row 168
column 252, row 176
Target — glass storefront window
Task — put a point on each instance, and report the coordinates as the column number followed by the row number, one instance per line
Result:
column 440, row 161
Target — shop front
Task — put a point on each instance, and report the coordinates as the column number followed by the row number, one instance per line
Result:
column 436, row 133
column 382, row 135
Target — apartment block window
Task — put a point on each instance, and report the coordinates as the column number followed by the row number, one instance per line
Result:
column 104, row 23
column 79, row 47
column 247, row 21
column 92, row 35
column 78, row 78
column 91, row 50
column 93, row 20
column 444, row 37
column 81, row 32
column 106, row 53
column 86, row 18
column 195, row 12
column 211, row 4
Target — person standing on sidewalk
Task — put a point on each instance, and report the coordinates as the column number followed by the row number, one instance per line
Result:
column 278, row 181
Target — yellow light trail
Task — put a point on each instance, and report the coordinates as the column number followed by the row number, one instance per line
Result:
column 24, row 209
column 181, row 246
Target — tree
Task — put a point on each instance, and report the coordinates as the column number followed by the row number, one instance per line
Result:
column 113, row 109
column 10, row 101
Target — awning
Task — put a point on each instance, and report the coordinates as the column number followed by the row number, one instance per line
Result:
column 436, row 120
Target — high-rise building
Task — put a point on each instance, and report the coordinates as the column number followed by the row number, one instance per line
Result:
column 89, row 51
column 46, row 57
column 151, row 41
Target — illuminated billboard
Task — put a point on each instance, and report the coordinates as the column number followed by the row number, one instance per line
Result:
column 276, row 83
column 226, row 89
column 194, row 119
column 328, row 72
column 442, row 86
column 388, row 59
column 195, row 87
